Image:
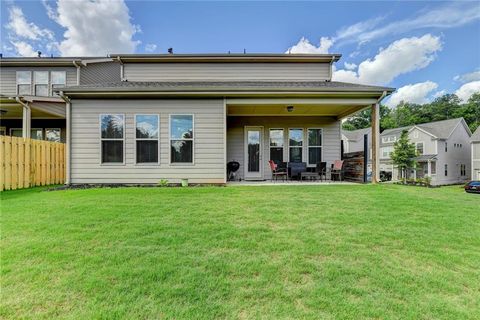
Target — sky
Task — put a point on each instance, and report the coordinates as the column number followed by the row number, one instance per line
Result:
column 422, row 48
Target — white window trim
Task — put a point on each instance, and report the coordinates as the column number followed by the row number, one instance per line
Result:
column 41, row 84
column 59, row 129
column 308, row 146
column 106, row 164
column 31, row 129
column 270, row 146
column 303, row 143
column 146, row 139
column 180, row 164
column 51, row 84
column 386, row 147
column 17, row 84
column 423, row 146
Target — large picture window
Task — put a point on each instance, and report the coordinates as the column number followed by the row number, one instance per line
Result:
column 146, row 135
column 276, row 145
column 24, row 82
column 314, row 146
column 181, row 138
column 41, row 83
column 112, row 137
column 295, row 143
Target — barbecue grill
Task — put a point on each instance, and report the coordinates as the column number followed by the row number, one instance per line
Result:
column 232, row 168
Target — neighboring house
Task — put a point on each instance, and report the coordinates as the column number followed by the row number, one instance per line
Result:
column 27, row 92
column 353, row 141
column 137, row 118
column 442, row 147
column 475, row 149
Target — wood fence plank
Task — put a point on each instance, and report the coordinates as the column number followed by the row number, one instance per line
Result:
column 14, row 146
column 28, row 159
column 2, row 163
column 21, row 162
column 8, row 163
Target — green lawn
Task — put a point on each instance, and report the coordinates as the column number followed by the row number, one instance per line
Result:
column 347, row 252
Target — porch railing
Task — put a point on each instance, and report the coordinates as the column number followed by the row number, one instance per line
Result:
column 28, row 163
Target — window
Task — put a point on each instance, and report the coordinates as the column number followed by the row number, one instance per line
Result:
column 52, row 134
column 388, row 139
column 295, row 143
column 314, row 146
column 419, row 148
column 463, row 170
column 146, row 135
column 41, row 83
column 36, row 134
column 24, row 82
column 446, row 170
column 112, row 137
column 58, row 79
column 181, row 138
column 276, row 145
column 386, row 151
column 433, row 167
column 446, row 146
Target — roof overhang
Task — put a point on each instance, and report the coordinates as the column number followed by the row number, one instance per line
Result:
column 219, row 58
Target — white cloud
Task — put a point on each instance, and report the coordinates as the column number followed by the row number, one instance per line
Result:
column 350, row 66
column 304, row 46
column 466, row 90
column 150, row 47
column 50, row 11
column 413, row 93
column 440, row 93
column 95, row 27
column 24, row 49
column 468, row 77
column 442, row 17
column 401, row 56
column 21, row 28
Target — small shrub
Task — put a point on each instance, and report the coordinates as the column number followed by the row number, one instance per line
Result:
column 163, row 183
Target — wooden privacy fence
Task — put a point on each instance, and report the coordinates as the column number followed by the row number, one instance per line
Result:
column 27, row 163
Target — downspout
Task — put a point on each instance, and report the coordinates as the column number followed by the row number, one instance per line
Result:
column 122, row 72
column 68, row 137
column 26, row 117
column 79, row 68
column 330, row 73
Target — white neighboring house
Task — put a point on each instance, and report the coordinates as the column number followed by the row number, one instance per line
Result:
column 353, row 140
column 475, row 141
column 443, row 151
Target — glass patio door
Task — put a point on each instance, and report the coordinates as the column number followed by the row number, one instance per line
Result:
column 253, row 153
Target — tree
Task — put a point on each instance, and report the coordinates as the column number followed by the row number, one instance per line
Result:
column 403, row 154
column 363, row 120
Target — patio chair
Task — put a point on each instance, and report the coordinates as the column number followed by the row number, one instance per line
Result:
column 321, row 169
column 295, row 168
column 276, row 171
column 337, row 170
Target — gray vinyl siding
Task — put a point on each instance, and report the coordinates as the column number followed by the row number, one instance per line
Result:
column 236, row 147
column 209, row 142
column 8, row 77
column 103, row 72
column 226, row 71
column 475, row 160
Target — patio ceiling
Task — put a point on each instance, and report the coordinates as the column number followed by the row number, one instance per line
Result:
column 11, row 109
column 339, row 108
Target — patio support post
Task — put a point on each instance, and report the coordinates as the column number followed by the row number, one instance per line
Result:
column 375, row 143
column 26, row 118
column 429, row 169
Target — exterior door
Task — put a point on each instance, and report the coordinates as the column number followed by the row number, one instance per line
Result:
column 253, row 153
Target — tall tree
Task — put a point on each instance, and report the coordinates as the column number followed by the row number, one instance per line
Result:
column 403, row 154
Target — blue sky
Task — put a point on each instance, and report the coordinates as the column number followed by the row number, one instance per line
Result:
column 422, row 48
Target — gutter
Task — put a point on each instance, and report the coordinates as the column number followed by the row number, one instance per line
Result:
column 384, row 94
column 78, row 71
column 68, row 136
column 26, row 119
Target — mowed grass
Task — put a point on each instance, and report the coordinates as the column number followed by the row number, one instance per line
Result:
column 304, row 252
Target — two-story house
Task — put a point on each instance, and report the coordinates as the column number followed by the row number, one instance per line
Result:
column 134, row 118
column 27, row 92
column 442, row 148
column 475, row 150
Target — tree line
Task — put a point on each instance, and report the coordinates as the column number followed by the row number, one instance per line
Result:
column 448, row 106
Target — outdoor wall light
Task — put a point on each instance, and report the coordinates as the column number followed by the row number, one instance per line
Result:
column 290, row 108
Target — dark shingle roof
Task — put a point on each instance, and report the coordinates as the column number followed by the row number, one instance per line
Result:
column 179, row 86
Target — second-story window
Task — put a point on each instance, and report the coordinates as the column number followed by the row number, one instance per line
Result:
column 24, row 82
column 419, row 148
column 41, row 83
column 58, row 79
